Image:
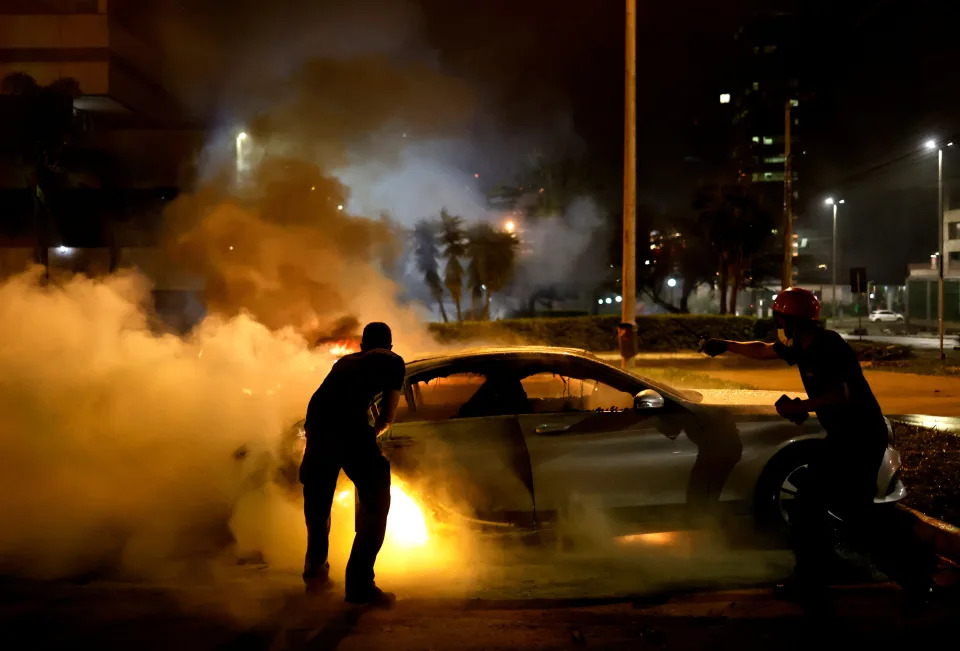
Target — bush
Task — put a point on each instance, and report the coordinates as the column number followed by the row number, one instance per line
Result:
column 599, row 333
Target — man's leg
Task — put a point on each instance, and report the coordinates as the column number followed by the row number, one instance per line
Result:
column 370, row 474
column 318, row 489
column 812, row 534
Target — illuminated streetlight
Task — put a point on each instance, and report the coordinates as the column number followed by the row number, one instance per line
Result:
column 724, row 98
column 599, row 301
column 509, row 226
column 608, row 301
column 64, row 250
column 830, row 202
column 672, row 282
column 340, row 206
column 930, row 144
column 619, row 299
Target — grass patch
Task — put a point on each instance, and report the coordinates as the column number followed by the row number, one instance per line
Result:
column 682, row 378
column 931, row 470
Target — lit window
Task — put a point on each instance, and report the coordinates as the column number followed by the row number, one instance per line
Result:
column 796, row 120
column 803, row 243
column 755, row 139
column 756, row 49
column 769, row 49
column 767, row 140
column 756, row 85
column 724, row 98
column 774, row 159
column 794, row 102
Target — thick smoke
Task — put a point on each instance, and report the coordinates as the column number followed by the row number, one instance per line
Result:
column 118, row 444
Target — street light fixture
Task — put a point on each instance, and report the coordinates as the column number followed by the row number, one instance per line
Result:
column 830, row 202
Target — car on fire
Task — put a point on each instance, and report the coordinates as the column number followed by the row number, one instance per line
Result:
column 523, row 437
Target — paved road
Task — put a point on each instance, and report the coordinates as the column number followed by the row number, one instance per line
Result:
column 914, row 341
column 268, row 612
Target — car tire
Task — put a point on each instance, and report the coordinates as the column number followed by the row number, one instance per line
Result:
column 776, row 488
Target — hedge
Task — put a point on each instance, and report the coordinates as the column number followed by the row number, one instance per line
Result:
column 599, row 333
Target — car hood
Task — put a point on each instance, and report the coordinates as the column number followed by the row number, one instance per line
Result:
column 741, row 401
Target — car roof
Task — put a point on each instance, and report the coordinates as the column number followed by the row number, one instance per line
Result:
column 425, row 361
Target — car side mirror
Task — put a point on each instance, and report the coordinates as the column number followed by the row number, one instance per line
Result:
column 647, row 399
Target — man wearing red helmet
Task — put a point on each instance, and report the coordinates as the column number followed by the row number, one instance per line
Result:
column 844, row 480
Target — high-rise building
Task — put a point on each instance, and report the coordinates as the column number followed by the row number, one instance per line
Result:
column 129, row 149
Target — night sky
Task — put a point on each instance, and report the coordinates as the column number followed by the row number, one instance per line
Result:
column 884, row 73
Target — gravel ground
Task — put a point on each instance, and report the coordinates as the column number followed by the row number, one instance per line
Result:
column 931, row 470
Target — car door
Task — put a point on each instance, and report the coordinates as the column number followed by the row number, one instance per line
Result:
column 474, row 465
column 588, row 445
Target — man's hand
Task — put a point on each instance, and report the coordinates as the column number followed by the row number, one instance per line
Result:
column 713, row 347
column 794, row 410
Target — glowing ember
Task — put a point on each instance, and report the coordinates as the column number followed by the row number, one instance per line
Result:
column 406, row 524
column 655, row 538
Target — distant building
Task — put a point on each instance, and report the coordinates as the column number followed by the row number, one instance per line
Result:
column 741, row 138
column 923, row 279
column 131, row 153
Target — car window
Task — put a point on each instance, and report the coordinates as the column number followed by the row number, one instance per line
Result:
column 440, row 398
column 551, row 393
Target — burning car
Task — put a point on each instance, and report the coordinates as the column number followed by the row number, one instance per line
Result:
column 524, row 437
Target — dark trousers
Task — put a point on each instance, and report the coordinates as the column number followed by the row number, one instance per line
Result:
column 834, row 508
column 369, row 471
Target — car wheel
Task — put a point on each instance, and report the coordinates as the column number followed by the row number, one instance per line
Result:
column 780, row 482
column 899, row 319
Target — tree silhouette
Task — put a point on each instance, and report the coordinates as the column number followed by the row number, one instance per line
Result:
column 492, row 264
column 454, row 242
column 738, row 230
column 426, row 254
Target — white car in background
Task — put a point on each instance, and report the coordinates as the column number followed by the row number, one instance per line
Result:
column 885, row 315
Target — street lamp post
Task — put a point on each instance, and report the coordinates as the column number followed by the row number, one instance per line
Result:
column 932, row 144
column 831, row 202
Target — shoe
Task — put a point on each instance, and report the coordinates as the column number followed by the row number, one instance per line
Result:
column 372, row 596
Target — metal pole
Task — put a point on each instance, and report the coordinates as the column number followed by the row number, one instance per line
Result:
column 629, row 272
column 834, row 260
column 943, row 355
column 787, row 279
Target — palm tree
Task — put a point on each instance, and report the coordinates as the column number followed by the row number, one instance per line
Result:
column 454, row 248
column 492, row 264
column 502, row 261
column 426, row 253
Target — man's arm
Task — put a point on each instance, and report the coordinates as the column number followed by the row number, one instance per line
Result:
column 839, row 395
column 388, row 410
column 751, row 349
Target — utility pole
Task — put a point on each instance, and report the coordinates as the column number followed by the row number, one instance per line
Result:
column 943, row 355
column 787, row 279
column 628, row 286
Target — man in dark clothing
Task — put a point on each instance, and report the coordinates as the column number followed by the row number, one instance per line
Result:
column 842, row 482
column 361, row 387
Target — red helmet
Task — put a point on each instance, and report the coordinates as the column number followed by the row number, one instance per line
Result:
column 797, row 303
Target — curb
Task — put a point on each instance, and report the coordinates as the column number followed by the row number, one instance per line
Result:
column 944, row 538
column 942, row 423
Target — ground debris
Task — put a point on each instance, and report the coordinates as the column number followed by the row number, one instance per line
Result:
column 931, row 470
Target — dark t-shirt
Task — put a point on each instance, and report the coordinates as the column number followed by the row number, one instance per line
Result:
column 354, row 384
column 826, row 364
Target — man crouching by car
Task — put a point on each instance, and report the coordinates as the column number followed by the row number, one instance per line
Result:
column 339, row 435
column 843, row 482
